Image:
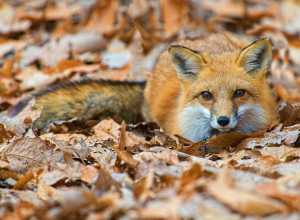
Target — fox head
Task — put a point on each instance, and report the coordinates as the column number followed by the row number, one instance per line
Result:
column 223, row 92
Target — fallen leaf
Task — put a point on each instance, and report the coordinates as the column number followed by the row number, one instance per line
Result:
column 159, row 210
column 143, row 185
column 126, row 157
column 23, row 181
column 47, row 193
column 241, row 201
column 231, row 139
column 275, row 190
column 290, row 115
column 104, row 182
column 66, row 64
column 283, row 169
column 5, row 135
column 107, row 129
column 88, row 174
column 192, row 149
column 266, row 162
column 191, row 175
column 173, row 14
column 7, row 68
column 29, row 154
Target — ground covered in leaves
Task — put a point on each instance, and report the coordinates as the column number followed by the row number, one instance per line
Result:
column 108, row 169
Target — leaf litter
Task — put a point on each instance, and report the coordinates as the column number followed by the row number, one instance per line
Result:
column 107, row 169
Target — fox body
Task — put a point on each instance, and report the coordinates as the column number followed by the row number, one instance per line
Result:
column 197, row 89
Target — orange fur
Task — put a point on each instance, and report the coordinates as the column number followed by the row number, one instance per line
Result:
column 220, row 66
column 217, row 86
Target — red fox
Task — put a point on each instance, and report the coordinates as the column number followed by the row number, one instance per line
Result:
column 217, row 86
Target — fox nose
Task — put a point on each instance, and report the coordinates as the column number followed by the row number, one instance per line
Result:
column 223, row 121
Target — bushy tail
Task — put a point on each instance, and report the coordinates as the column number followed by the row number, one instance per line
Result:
column 87, row 98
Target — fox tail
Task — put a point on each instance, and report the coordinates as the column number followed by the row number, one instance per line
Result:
column 85, row 99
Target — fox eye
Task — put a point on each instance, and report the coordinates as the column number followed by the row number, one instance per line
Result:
column 239, row 93
column 206, row 95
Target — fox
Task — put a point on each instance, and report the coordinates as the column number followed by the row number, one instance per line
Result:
column 197, row 89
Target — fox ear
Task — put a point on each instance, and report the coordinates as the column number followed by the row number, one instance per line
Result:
column 255, row 57
column 187, row 63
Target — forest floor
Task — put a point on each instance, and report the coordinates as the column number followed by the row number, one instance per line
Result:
column 113, row 170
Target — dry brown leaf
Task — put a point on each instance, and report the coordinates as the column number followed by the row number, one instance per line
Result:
column 106, row 12
column 107, row 129
column 51, row 178
column 24, row 210
column 31, row 77
column 54, row 51
column 78, row 43
column 108, row 200
column 68, row 137
column 104, row 182
column 164, row 139
column 126, row 157
column 275, row 190
column 14, row 125
column 283, row 169
column 70, row 202
column 132, row 140
column 258, row 30
column 290, row 115
column 57, row 13
column 192, row 149
column 173, row 14
column 167, row 181
column 231, row 139
column 5, row 135
column 280, row 152
column 273, row 138
column 10, row 100
column 5, row 174
column 102, row 154
column 231, row 9
column 85, row 69
column 121, row 74
column 288, row 136
column 259, row 11
column 241, row 201
column 67, row 64
column 68, row 199
column 122, row 141
column 194, row 173
column 3, row 165
column 144, row 156
column 8, row 86
column 7, row 68
column 143, row 185
column 29, row 154
column 23, row 181
column 288, row 95
column 168, row 155
column 29, row 116
column 78, row 146
column 47, row 193
column 5, row 48
column 166, row 210
column 88, row 174
column 62, row 172
column 266, row 162
column 67, row 151
column 292, row 179
column 246, row 203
